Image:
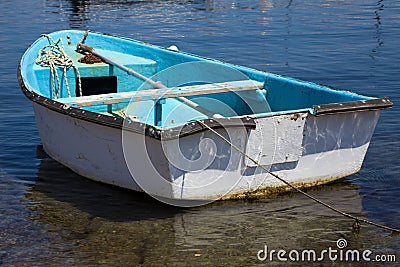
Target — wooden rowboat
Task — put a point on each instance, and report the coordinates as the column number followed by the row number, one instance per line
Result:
column 183, row 127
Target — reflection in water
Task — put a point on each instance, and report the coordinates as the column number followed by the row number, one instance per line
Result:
column 78, row 11
column 288, row 27
column 90, row 217
column 131, row 228
column 379, row 42
column 82, row 11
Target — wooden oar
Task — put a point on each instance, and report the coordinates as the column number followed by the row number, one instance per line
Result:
column 158, row 85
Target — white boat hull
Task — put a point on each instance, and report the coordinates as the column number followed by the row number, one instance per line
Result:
column 307, row 150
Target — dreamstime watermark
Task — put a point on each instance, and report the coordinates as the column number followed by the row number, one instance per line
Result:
column 169, row 154
column 338, row 253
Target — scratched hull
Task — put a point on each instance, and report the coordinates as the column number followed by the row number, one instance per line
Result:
column 326, row 155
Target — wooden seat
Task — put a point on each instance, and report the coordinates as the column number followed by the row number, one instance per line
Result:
column 156, row 94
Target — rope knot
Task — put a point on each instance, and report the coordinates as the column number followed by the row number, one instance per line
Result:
column 54, row 56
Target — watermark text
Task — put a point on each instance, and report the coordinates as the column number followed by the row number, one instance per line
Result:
column 338, row 253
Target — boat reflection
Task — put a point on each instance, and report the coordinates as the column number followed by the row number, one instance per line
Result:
column 131, row 228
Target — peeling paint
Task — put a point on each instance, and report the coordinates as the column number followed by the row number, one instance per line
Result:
column 295, row 116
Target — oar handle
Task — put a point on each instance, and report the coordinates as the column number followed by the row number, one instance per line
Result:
column 159, row 85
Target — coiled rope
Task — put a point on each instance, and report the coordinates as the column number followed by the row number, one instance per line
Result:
column 357, row 220
column 53, row 56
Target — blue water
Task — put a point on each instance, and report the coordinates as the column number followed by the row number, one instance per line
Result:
column 51, row 216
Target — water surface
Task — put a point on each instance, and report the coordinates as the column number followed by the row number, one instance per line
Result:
column 52, row 216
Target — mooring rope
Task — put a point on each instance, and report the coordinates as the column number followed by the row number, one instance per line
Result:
column 53, row 56
column 356, row 224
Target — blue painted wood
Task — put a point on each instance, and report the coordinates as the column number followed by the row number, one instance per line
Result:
column 158, row 111
column 174, row 92
column 284, row 95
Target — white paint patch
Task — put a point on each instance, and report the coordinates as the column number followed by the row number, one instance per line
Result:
column 276, row 140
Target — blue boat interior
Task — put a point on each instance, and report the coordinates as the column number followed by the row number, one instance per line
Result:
column 272, row 95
